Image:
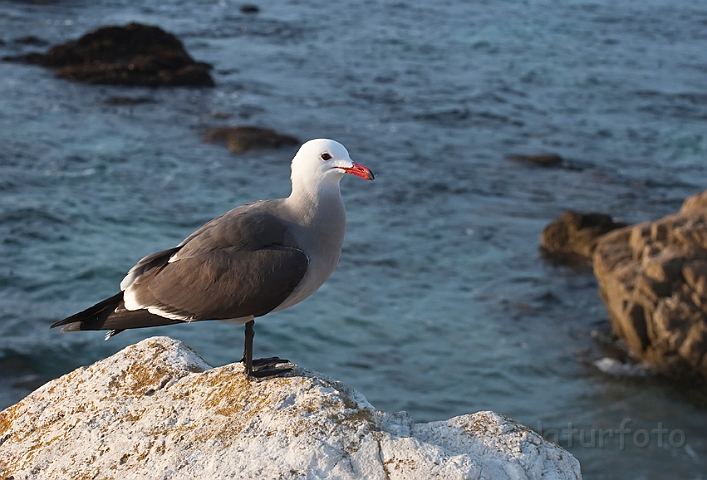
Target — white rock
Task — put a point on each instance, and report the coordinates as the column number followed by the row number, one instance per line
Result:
column 157, row 410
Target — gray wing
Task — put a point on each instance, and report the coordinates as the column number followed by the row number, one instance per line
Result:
column 159, row 259
column 240, row 264
column 156, row 260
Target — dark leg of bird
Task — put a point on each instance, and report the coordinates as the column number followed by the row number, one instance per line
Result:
column 247, row 359
column 262, row 367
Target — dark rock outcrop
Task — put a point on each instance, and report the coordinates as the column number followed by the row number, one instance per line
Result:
column 242, row 139
column 135, row 54
column 573, row 236
column 653, row 279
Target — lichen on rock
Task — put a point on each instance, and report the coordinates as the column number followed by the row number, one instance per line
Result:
column 157, row 410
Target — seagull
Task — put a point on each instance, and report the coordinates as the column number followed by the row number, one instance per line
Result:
column 258, row 258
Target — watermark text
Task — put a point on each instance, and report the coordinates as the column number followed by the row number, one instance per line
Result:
column 571, row 436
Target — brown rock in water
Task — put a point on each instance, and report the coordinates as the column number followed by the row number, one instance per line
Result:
column 695, row 202
column 242, row 139
column 135, row 54
column 572, row 237
column 653, row 280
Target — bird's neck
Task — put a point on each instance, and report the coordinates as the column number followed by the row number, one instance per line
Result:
column 312, row 202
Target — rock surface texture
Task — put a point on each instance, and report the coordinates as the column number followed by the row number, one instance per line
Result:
column 653, row 280
column 135, row 54
column 157, row 410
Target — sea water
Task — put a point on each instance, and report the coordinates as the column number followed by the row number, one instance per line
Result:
column 442, row 304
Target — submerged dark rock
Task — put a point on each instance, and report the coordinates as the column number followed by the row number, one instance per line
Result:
column 573, row 236
column 122, row 100
column 542, row 160
column 249, row 8
column 242, row 139
column 134, row 54
column 30, row 40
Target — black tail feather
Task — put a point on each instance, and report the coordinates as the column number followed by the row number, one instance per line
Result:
column 92, row 318
column 111, row 314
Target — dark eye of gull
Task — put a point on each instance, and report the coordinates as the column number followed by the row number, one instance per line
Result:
column 326, row 156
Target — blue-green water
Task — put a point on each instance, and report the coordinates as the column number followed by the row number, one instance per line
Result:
column 441, row 304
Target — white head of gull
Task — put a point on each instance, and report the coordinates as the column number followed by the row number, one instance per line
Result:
column 255, row 259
